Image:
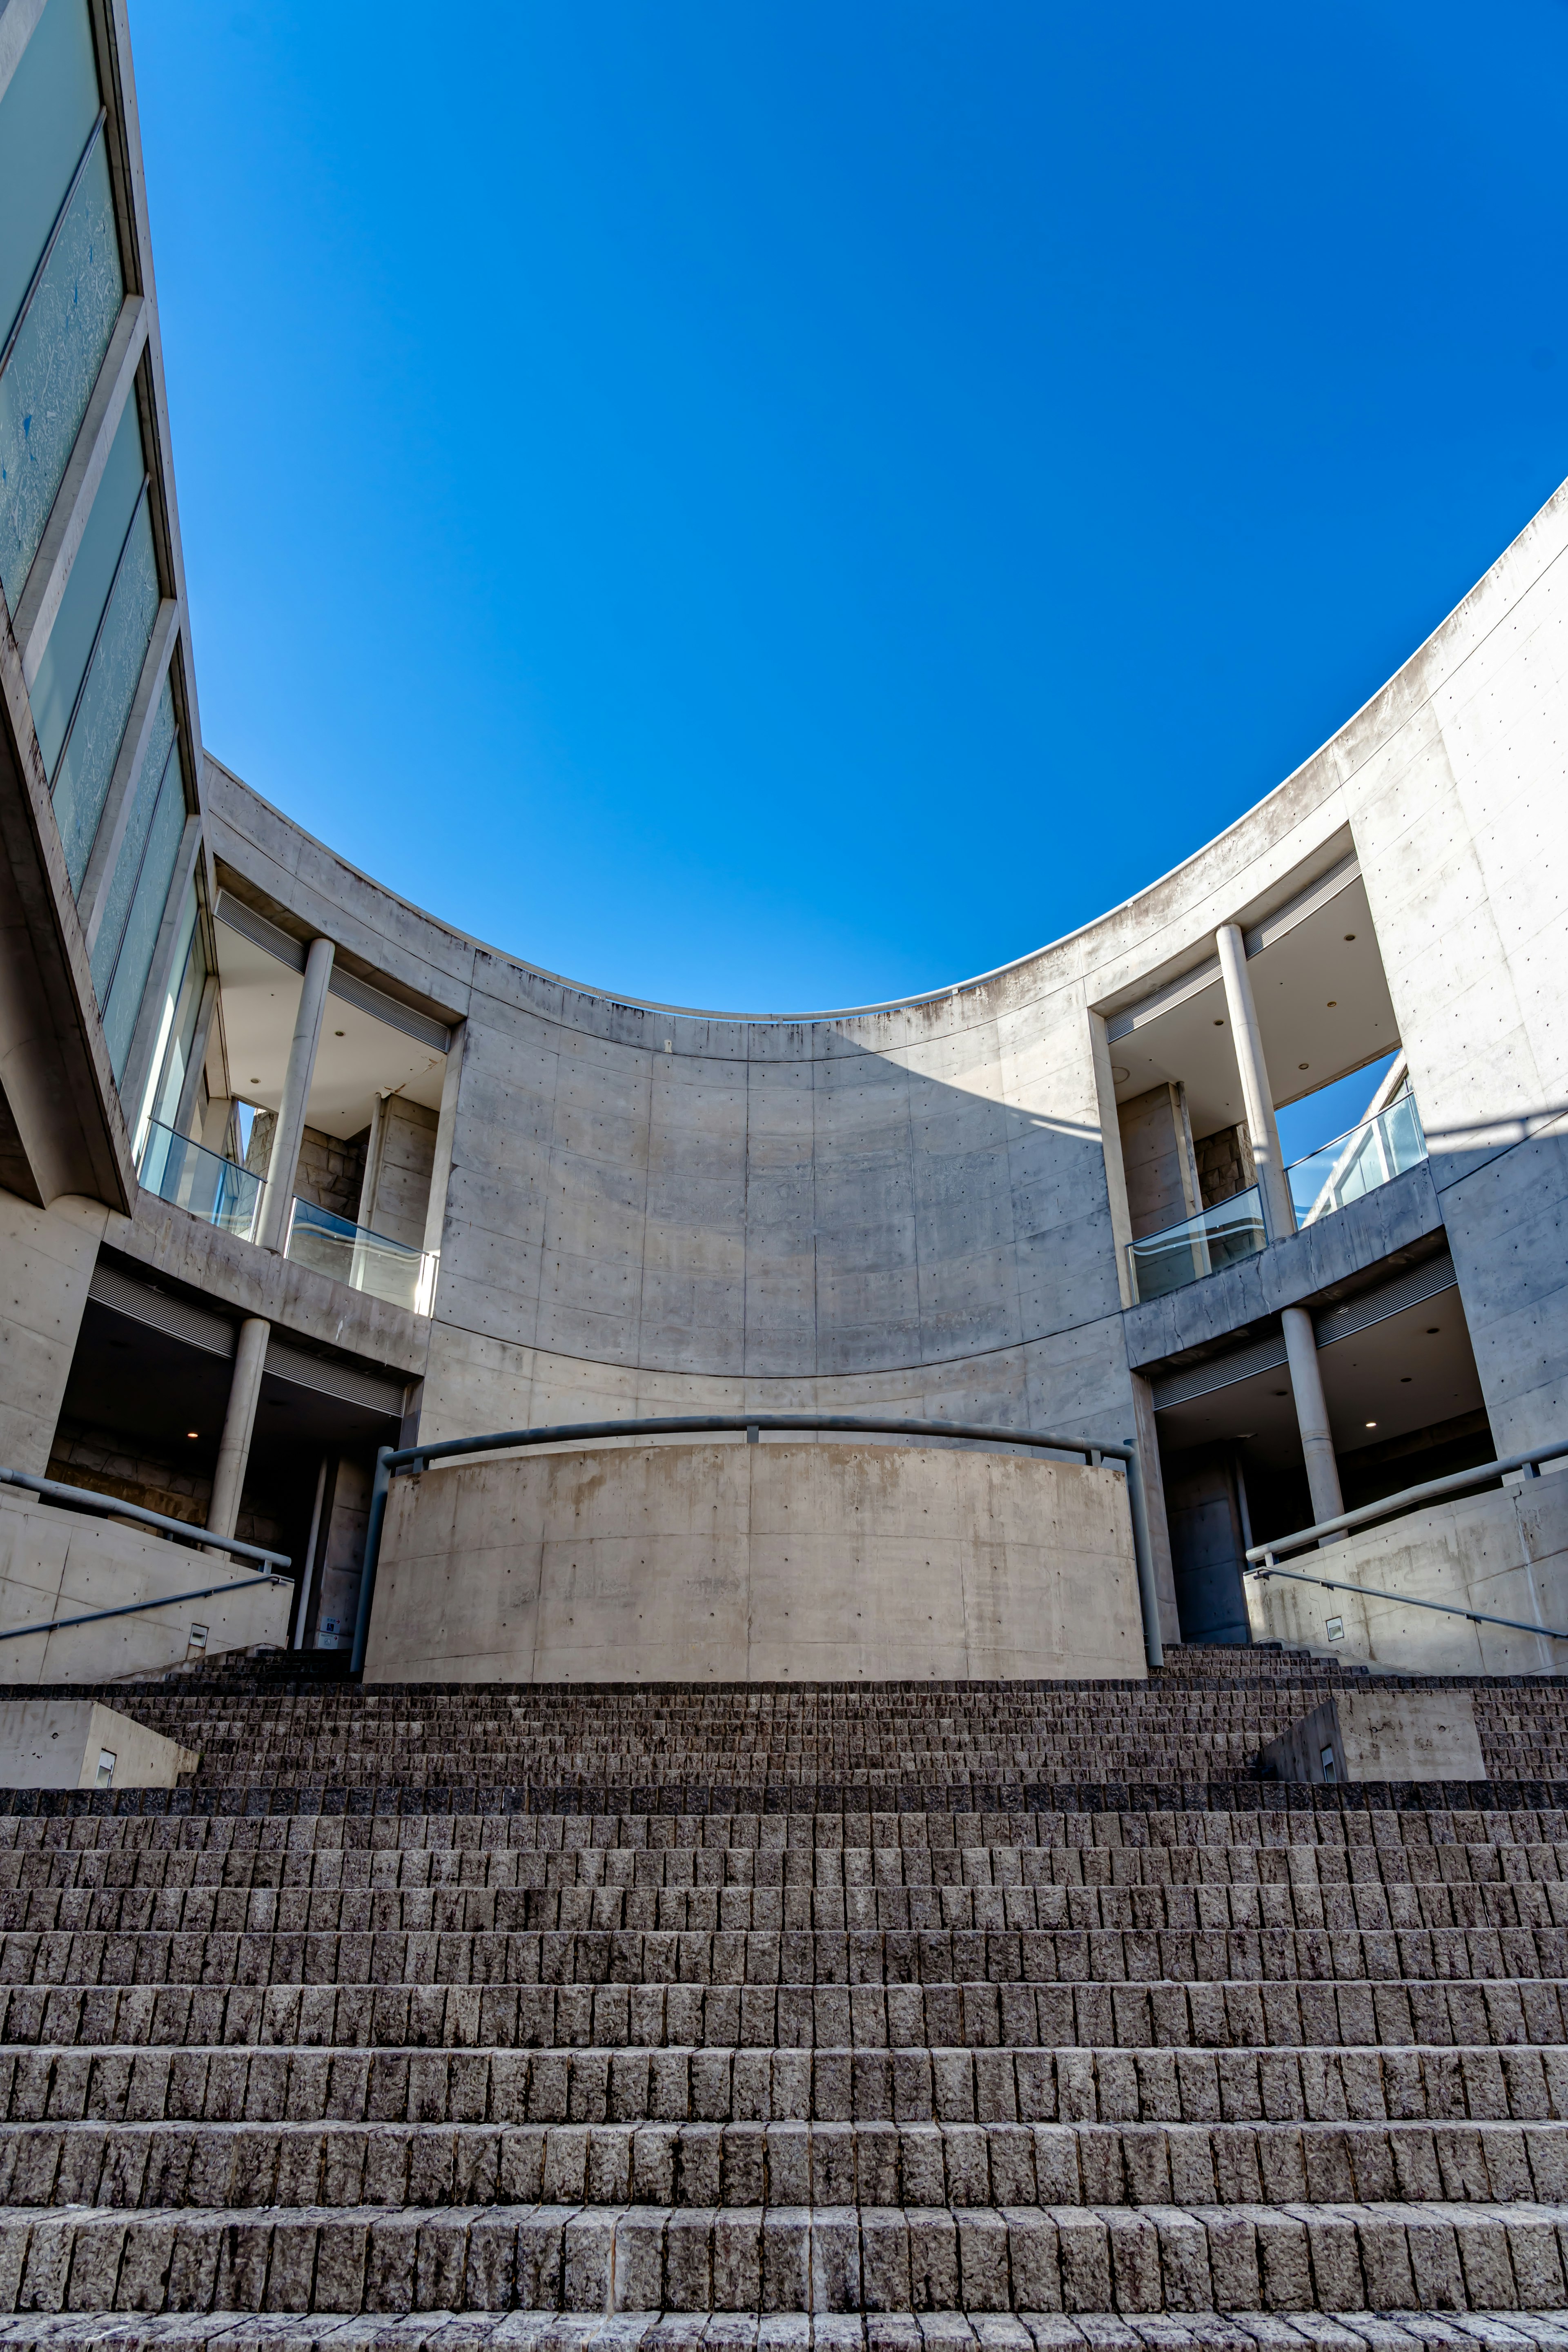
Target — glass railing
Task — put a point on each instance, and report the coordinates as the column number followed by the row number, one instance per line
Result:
column 1371, row 1154
column 201, row 1181
column 1201, row 1244
column 401, row 1274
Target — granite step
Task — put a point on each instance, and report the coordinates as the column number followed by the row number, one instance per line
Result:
column 843, row 2259
column 268, row 2082
column 1235, row 2013
column 425, row 2163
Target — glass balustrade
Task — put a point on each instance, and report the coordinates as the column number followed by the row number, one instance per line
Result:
column 200, row 1182
column 1372, row 1154
column 1201, row 1244
column 402, row 1275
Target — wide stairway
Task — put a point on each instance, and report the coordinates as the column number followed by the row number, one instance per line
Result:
column 1009, row 2015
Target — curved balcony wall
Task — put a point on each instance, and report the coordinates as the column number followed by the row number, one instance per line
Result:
column 656, row 1210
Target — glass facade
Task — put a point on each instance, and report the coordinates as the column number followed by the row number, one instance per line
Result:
column 182, row 1034
column 62, row 291
column 148, row 900
column 57, row 321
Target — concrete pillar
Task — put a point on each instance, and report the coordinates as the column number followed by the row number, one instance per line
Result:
column 445, row 1132
column 1256, row 1091
column 1312, row 1415
column 365, row 1215
column 273, row 1225
column 234, row 1446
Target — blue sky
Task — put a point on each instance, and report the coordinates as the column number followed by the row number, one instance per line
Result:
column 782, row 506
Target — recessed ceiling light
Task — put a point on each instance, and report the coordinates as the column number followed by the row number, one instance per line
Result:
column 1371, row 1425
column 1334, row 1004
column 1279, row 1393
column 192, row 1432
column 1405, row 1380
column 338, row 1033
column 1219, row 1024
column 1302, row 1066
column 1432, row 1329
column 1349, row 937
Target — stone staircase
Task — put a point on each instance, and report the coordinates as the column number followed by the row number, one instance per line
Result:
column 462, row 2015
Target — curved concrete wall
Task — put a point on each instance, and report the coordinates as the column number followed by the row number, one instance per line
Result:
column 656, row 1211
column 755, row 1563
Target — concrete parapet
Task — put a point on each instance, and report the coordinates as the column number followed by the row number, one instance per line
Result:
column 79, row 1743
column 1504, row 1553
column 756, row 1563
column 1400, row 1735
column 56, row 1563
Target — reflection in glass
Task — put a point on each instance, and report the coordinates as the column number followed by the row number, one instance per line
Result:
column 151, row 897
column 1371, row 1154
column 46, row 117
column 49, row 381
column 98, row 728
column 366, row 1261
column 127, row 871
column 199, row 1181
column 1217, row 1237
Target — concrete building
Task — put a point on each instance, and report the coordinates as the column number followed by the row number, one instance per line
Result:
column 293, row 1170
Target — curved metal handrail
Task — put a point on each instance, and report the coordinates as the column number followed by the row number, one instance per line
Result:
column 391, row 1462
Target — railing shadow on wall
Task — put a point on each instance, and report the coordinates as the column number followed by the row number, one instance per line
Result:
column 393, row 1462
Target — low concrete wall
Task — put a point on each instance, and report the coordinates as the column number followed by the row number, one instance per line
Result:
column 1387, row 1735
column 1505, row 1552
column 55, row 1563
column 59, row 1743
column 762, row 1563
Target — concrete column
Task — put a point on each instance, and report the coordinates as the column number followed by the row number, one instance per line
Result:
column 445, row 1132
column 273, row 1225
column 1312, row 1415
column 364, row 1213
column 234, row 1446
column 1256, row 1091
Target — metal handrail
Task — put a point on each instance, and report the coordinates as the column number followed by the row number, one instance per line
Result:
column 109, row 1507
column 1410, row 1498
column 391, row 1462
column 132, row 1608
column 1408, row 1601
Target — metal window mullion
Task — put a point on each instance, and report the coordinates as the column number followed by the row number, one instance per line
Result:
column 97, row 632
column 36, row 279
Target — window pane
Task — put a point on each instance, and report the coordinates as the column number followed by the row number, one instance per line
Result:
column 45, row 390
column 45, row 119
column 146, row 915
column 87, row 591
column 187, row 1010
column 127, row 864
column 81, row 785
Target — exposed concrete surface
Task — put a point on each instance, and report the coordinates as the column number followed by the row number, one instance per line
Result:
column 1505, row 1552
column 59, row 1743
column 1382, row 1735
column 1364, row 1233
column 47, row 1258
column 763, row 1563
column 59, row 1563
column 292, row 1298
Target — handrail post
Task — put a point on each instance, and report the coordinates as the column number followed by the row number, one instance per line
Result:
column 378, row 1491
column 1142, row 1552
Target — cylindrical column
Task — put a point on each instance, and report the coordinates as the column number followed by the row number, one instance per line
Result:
column 1256, row 1091
column 1312, row 1415
column 272, row 1226
column 234, row 1446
